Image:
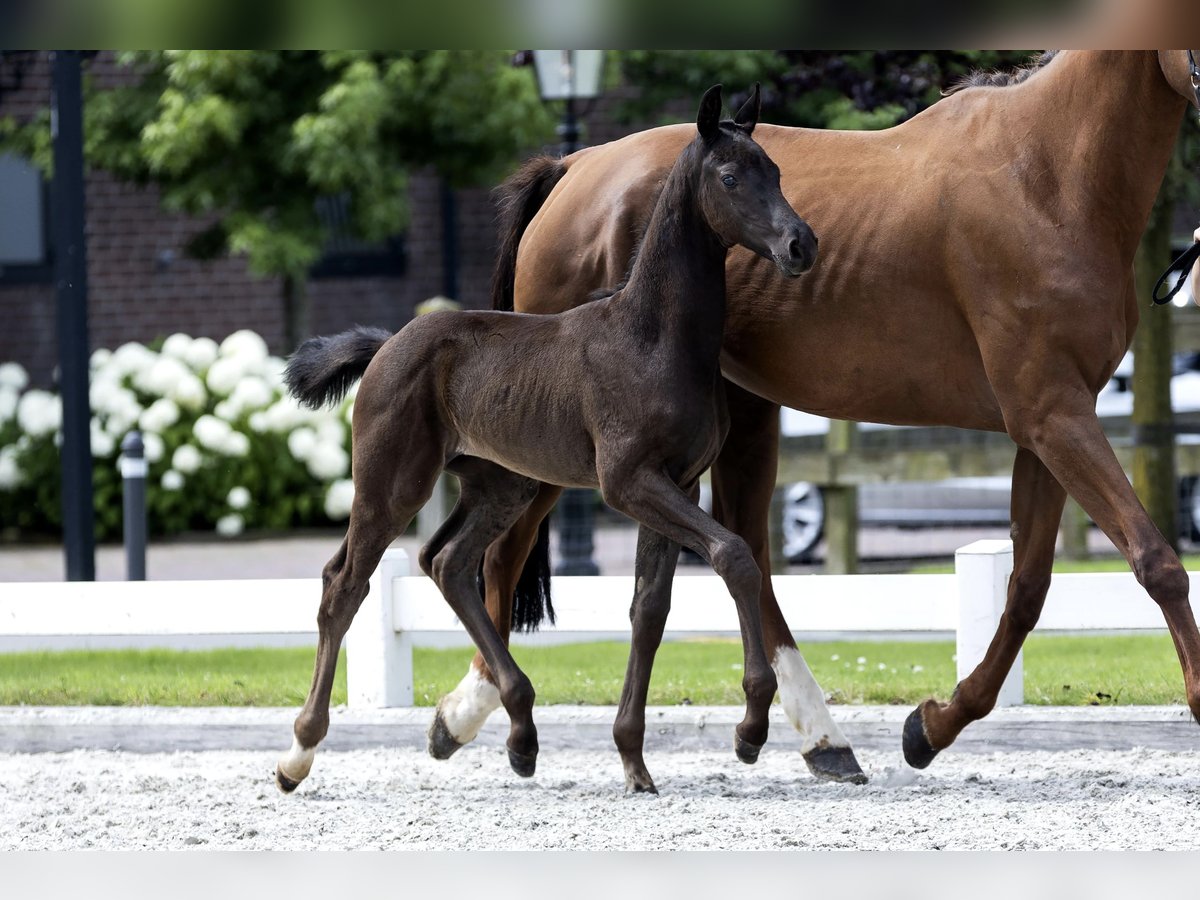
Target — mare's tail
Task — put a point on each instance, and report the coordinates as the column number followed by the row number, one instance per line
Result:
column 323, row 368
column 519, row 200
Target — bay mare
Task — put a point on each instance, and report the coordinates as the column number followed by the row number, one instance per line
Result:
column 976, row 271
column 624, row 394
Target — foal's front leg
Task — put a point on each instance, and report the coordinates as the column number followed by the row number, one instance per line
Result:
column 655, row 501
column 653, row 572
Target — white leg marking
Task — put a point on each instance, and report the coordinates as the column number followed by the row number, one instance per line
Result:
column 803, row 702
column 297, row 762
column 467, row 707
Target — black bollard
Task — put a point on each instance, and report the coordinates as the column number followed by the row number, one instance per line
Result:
column 133, row 484
column 576, row 523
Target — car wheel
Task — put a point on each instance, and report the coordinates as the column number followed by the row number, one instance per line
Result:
column 803, row 521
column 1189, row 509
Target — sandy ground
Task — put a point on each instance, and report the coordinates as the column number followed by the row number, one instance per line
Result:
column 401, row 799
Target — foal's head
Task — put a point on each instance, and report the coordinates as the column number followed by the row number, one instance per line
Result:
column 739, row 189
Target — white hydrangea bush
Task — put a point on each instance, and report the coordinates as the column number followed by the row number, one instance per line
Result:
column 227, row 448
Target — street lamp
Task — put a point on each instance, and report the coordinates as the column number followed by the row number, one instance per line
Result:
column 568, row 75
column 571, row 75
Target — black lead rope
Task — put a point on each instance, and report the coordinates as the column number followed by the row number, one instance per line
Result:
column 1184, row 264
column 1188, row 258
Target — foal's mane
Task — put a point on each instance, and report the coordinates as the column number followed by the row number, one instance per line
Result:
column 993, row 78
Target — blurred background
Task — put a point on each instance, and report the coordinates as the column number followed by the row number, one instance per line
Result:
column 236, row 202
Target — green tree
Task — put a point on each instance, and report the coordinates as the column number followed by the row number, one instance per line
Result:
column 253, row 138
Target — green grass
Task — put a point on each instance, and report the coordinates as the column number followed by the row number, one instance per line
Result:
column 1191, row 562
column 1058, row 670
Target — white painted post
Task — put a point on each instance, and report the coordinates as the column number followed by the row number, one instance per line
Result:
column 378, row 658
column 983, row 569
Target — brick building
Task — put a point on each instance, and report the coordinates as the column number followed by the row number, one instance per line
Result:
column 141, row 284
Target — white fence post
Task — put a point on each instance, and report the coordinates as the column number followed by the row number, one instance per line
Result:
column 378, row 659
column 983, row 569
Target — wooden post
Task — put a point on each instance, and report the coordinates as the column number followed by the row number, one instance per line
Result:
column 779, row 564
column 841, row 505
column 1074, row 529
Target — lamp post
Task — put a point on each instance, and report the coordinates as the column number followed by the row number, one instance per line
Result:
column 571, row 76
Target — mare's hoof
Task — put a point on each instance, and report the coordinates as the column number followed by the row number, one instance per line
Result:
column 746, row 751
column 523, row 765
column 441, row 742
column 640, row 786
column 835, row 764
column 918, row 752
column 284, row 783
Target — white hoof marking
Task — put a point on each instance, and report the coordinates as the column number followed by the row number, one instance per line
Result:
column 297, row 762
column 467, row 707
column 803, row 702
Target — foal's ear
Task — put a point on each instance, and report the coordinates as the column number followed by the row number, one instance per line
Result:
column 708, row 120
column 747, row 116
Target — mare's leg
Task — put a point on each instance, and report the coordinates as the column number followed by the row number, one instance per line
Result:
column 654, row 569
column 656, row 502
column 743, row 478
column 1037, row 504
column 491, row 500
column 463, row 711
column 384, row 503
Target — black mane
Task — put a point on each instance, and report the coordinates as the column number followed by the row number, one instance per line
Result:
column 985, row 78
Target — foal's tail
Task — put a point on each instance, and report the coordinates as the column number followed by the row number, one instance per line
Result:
column 519, row 200
column 321, row 371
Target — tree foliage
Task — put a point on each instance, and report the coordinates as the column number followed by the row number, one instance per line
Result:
column 253, row 138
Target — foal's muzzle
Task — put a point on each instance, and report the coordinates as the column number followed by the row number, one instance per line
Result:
column 799, row 253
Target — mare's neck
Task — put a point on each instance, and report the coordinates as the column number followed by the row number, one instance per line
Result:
column 674, row 299
column 1104, row 123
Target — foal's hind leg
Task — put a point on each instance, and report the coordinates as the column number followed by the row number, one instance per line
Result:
column 653, row 572
column 655, row 501
column 1037, row 504
column 491, row 500
column 375, row 521
column 462, row 712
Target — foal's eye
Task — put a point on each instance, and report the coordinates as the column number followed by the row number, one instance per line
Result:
column 729, row 180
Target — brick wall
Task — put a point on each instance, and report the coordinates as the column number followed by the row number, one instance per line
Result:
column 143, row 286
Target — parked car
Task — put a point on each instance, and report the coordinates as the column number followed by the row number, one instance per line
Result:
column 969, row 502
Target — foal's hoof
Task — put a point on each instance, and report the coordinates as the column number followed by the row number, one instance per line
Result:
column 640, row 786
column 441, row 742
column 746, row 751
column 284, row 783
column 522, row 764
column 918, row 752
column 835, row 764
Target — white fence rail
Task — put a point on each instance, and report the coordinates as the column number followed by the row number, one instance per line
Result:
column 402, row 607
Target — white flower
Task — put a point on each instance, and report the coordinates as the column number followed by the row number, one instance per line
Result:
column 245, row 344
column 160, row 377
column 159, row 416
column 230, row 525
column 235, row 444
column 186, row 459
column 201, row 354
column 10, row 472
column 188, row 392
column 328, row 461
column 39, row 413
column 8, row 403
column 211, row 432
column 285, row 414
column 131, row 358
column 177, row 346
column 259, row 422
column 331, row 431
column 172, row 480
column 103, row 444
column 225, row 373
column 123, row 412
column 252, row 392
column 13, row 375
column 272, row 370
column 99, row 359
column 339, row 498
column 302, row 442
column 238, row 498
column 153, row 447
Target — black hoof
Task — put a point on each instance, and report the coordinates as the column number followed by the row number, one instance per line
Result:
column 918, row 752
column 638, row 787
column 835, row 764
column 441, row 742
column 746, row 751
column 284, row 783
column 523, row 765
